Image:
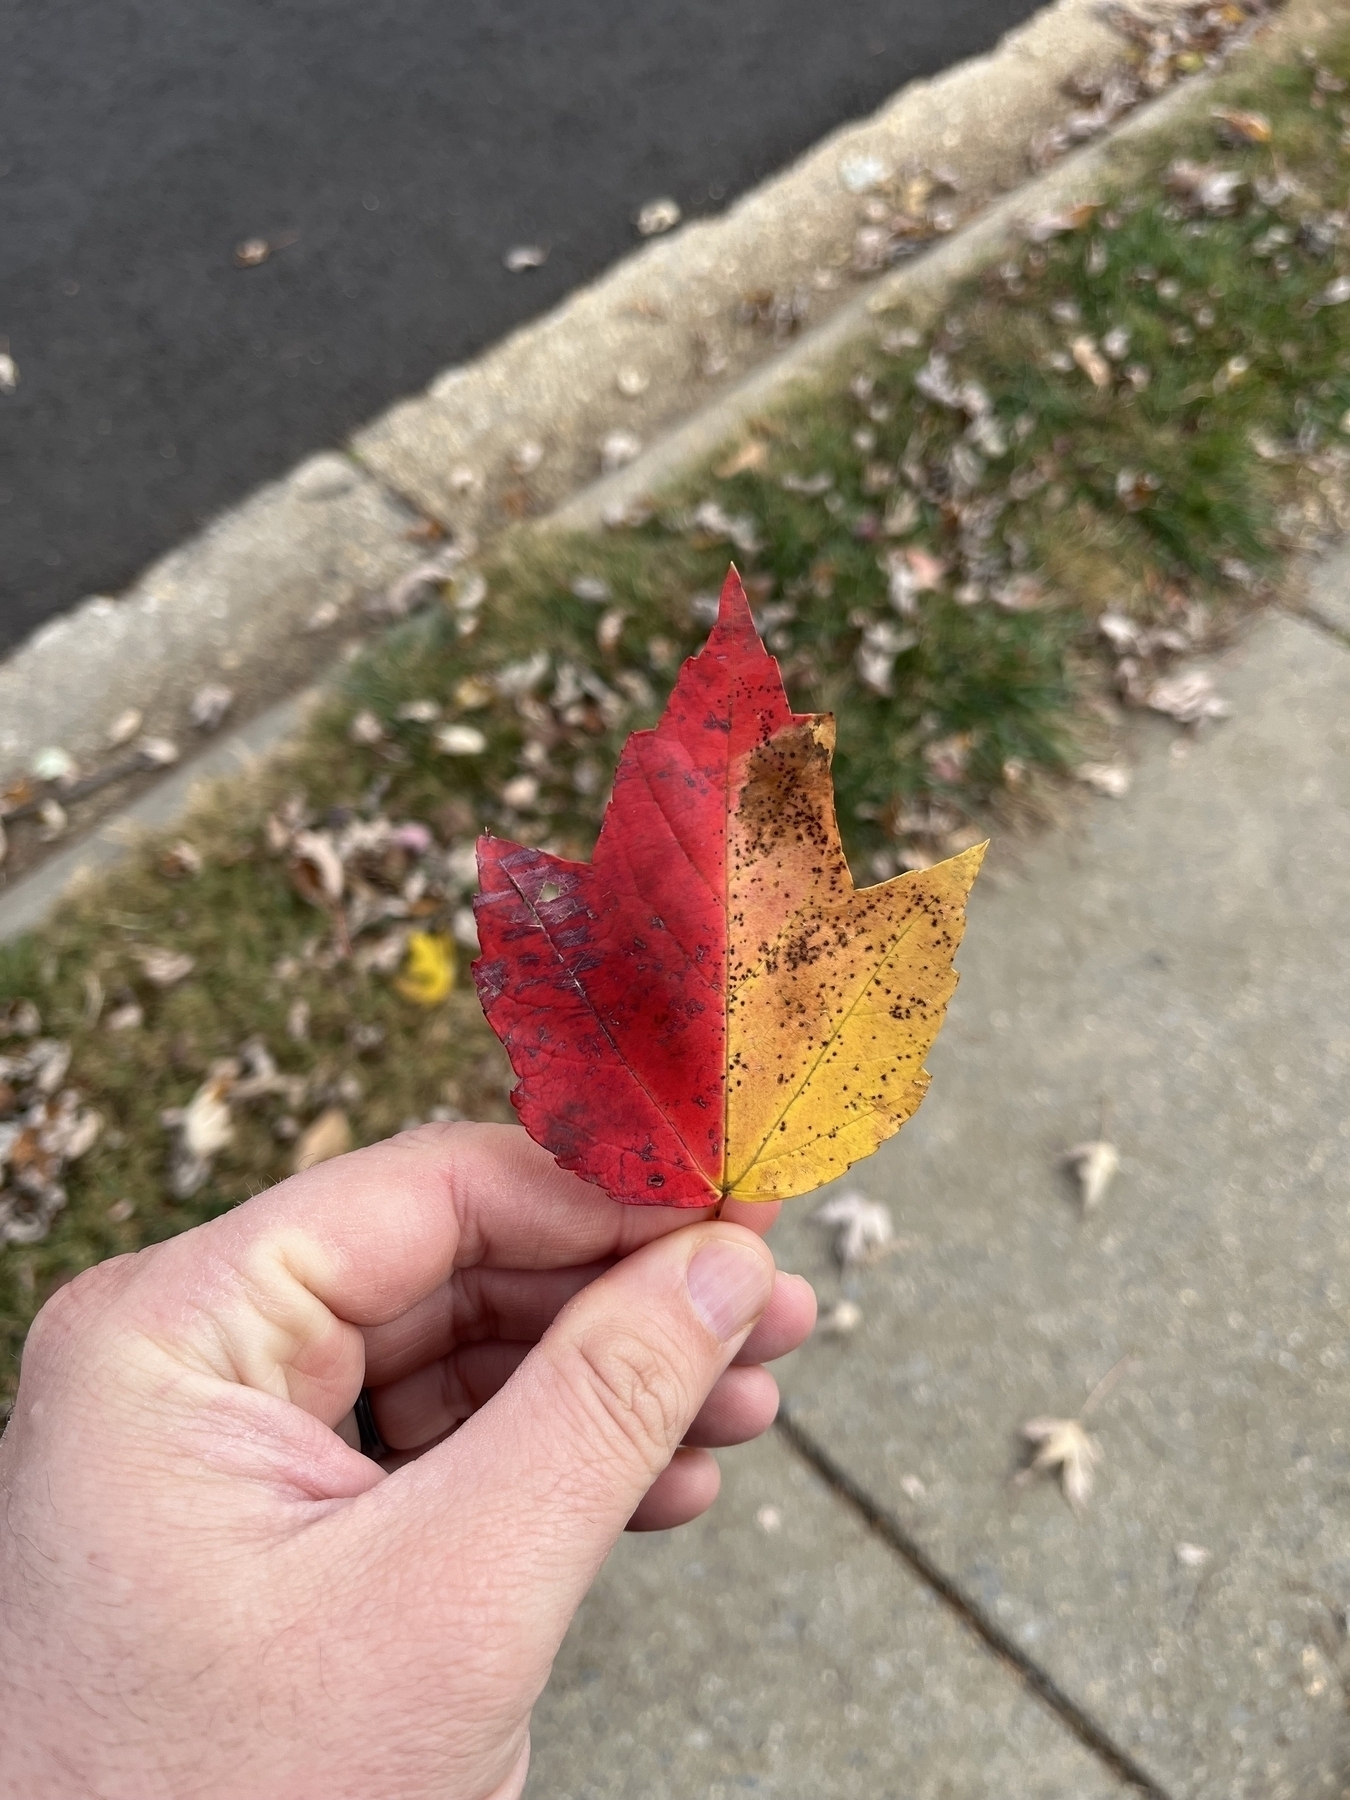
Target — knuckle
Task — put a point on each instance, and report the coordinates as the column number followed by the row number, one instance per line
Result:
column 639, row 1395
column 69, row 1311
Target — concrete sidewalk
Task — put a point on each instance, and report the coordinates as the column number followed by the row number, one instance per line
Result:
column 1181, row 965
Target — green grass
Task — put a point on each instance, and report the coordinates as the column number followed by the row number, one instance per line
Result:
column 987, row 703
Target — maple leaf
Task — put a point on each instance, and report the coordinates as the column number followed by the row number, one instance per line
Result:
column 710, row 1008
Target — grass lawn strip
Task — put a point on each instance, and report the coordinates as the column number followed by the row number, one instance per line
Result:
column 975, row 542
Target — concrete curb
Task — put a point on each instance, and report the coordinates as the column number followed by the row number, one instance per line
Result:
column 28, row 902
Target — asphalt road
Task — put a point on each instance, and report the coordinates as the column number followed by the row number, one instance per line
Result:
column 407, row 144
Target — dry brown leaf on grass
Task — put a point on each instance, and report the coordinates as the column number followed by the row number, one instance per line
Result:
column 44, row 1126
column 202, row 1129
column 330, row 1135
column 753, row 454
column 180, row 861
column 1091, row 361
column 1232, row 126
column 315, row 868
column 164, row 968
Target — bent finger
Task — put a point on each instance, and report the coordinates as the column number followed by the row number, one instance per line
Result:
column 438, row 1398
column 684, row 1490
column 743, row 1404
column 517, row 1305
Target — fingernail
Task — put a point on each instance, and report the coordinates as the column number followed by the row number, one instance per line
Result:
column 729, row 1285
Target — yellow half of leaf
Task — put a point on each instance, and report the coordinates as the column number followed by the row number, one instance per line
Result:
column 834, row 993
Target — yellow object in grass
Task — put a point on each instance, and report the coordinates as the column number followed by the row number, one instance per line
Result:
column 429, row 972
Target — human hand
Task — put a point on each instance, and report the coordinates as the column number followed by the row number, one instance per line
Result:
column 206, row 1591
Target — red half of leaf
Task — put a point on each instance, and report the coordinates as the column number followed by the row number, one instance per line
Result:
column 606, row 981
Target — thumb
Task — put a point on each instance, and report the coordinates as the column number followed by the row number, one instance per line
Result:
column 532, row 1492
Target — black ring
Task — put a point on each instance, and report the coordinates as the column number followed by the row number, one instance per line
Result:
column 372, row 1444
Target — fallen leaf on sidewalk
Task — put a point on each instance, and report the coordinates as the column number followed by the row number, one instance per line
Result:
column 1063, row 1447
column 1096, row 1166
column 863, row 1229
column 710, row 1008
column 842, row 1319
column 1191, row 1556
column 53, row 763
column 1188, row 697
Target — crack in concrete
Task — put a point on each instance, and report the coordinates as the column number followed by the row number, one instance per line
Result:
column 885, row 1526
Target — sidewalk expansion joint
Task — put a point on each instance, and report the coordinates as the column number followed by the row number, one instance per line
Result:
column 885, row 1526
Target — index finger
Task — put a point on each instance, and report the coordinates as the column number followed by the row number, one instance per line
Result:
column 374, row 1232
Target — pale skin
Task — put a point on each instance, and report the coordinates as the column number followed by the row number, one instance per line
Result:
column 206, row 1591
